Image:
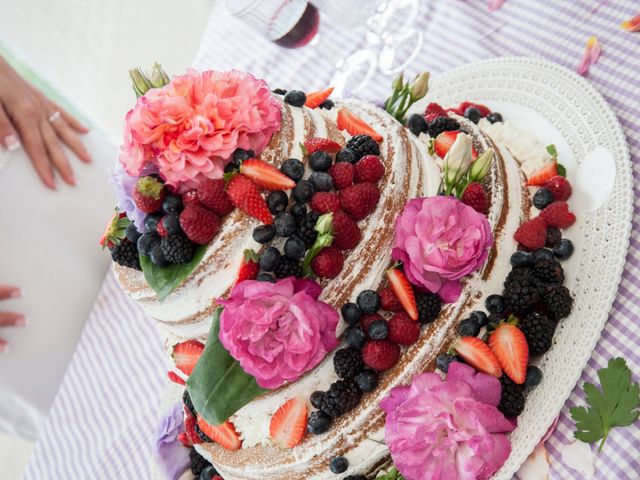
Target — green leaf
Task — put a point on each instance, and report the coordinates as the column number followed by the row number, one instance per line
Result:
column 165, row 280
column 218, row 386
column 615, row 404
column 552, row 150
column 562, row 170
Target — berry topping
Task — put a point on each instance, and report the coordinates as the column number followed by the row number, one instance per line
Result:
column 478, row 354
column 225, row 435
column 298, row 210
column 190, row 197
column 468, row 328
column 380, row 355
column 160, row 229
column 270, row 259
column 307, row 229
column 295, row 98
column 355, row 337
column 403, row 330
column 175, row 378
column 434, row 111
column 521, row 294
column 339, row 465
column 494, row 117
column 266, row 175
column 303, row 191
column 558, row 301
column 294, row 248
column 347, row 362
column 240, row 155
column 177, row 248
column 346, row 233
column 315, row 99
column 285, row 224
column 199, row 224
column 417, row 124
column 151, row 221
column 292, row 168
column 368, row 301
column 540, row 177
column 509, row 345
column 321, row 144
column 363, row 145
column 538, row 329
column 543, row 254
column 157, row 256
column 186, row 355
column 347, row 155
column 558, row 215
column 460, row 109
column 341, row 397
column 542, row 198
column 494, row 303
column 444, row 140
column 212, row 195
column 559, row 187
column 321, row 181
column 378, row 329
column 171, row 223
column 126, row 254
column 320, row 161
column 327, row 104
column 319, row 422
column 479, row 317
column 548, row 270
column 245, row 195
column 444, row 360
column 442, row 124
column 355, row 125
column 368, row 319
column 564, row 250
column 149, row 194
column 132, row 233
column 316, row 398
column 198, row 462
column 534, row 377
column 512, row 397
column 403, row 291
column 288, row 268
column 367, row 380
column 328, row 263
column 351, row 313
column 173, row 203
column 476, row 197
column 325, row 202
column 554, row 236
column 368, row 169
column 289, row 423
column 277, row 202
column 532, row 233
column 521, row 259
column 359, row 200
column 473, row 114
column 389, row 301
column 342, row 174
column 429, row 305
column 264, row 233
column 249, row 267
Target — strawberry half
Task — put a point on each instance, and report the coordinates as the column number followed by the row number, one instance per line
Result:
column 190, row 428
column 353, row 124
column 225, row 434
column 315, row 99
column 245, row 195
column 186, row 355
column 403, row 291
column 443, row 143
column 266, row 175
column 541, row 177
column 249, row 268
column 509, row 345
column 289, row 424
column 478, row 354
column 175, row 378
column 323, row 144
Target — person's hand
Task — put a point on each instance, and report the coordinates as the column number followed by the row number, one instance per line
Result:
column 10, row 319
column 29, row 118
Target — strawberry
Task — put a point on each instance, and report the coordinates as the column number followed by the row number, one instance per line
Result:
column 314, row 99
column 434, row 111
column 359, row 200
column 266, row 175
column 199, row 224
column 346, row 233
column 478, row 354
column 484, row 111
column 559, row 186
column 325, row 202
column 367, row 320
column 476, row 197
column 175, row 378
column 322, row 144
column 443, row 143
column 403, row 330
column 380, row 355
column 328, row 262
column 342, row 174
column 368, row 169
column 558, row 215
column 389, row 301
column 249, row 268
column 353, row 124
column 540, row 177
column 225, row 434
column 184, row 439
column 509, row 345
column 148, row 194
column 245, row 195
column 186, row 354
column 212, row 195
column 190, row 428
column 190, row 197
column 289, row 423
column 115, row 230
column 403, row 290
column 532, row 233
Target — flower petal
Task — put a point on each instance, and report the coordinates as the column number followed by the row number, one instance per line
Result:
column 591, row 54
column 632, row 25
column 495, row 5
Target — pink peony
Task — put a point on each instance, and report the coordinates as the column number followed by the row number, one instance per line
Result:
column 277, row 331
column 190, row 127
column 447, row 429
column 440, row 240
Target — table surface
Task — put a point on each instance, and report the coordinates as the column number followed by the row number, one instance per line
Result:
column 107, row 408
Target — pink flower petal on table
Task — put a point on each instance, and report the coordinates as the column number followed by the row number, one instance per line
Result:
column 591, row 54
column 632, row 25
column 536, row 466
column 495, row 5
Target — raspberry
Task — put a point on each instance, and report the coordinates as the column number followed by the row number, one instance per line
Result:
column 476, row 197
column 325, row 202
column 380, row 355
column 328, row 263
column 559, row 187
column 367, row 320
column 342, row 174
column 161, row 230
column 434, row 111
column 359, row 200
column 558, row 215
column 369, row 169
column 346, row 234
column 190, row 197
column 403, row 330
column 532, row 234
column 199, row 224
column 389, row 301
column 212, row 195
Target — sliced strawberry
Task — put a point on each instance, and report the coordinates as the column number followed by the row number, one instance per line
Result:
column 190, row 428
column 443, row 143
column 225, row 435
column 403, row 291
column 266, row 175
column 289, row 423
column 478, row 354
column 314, row 99
column 186, row 355
column 541, row 177
column 484, row 111
column 175, row 378
column 509, row 345
column 353, row 124
column 184, row 439
column 249, row 268
column 245, row 195
column 323, row 144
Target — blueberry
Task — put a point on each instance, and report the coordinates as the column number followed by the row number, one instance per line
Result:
column 542, row 198
column 378, row 330
column 319, row 422
column 316, row 398
column 294, row 248
column 495, row 318
column 327, row 104
column 146, row 242
column 564, row 250
column 270, row 259
column 240, row 155
column 321, row 181
column 292, row 168
column 355, row 337
column 351, row 313
column 265, row 277
column 473, row 114
column 277, row 202
column 346, row 155
column 298, row 210
column 543, row 254
column 494, row 303
column 368, row 301
column 231, row 167
column 320, row 161
column 554, row 235
column 479, row 317
column 285, row 224
column 339, row 465
column 172, row 204
column 521, row 259
column 171, row 223
column 132, row 233
column 417, row 124
column 157, row 257
column 303, row 191
column 264, row 233
column 534, row 376
column 468, row 328
column 367, row 380
column 207, row 473
column 494, row 117
column 151, row 221
column 279, row 91
column 295, row 98
column 444, row 360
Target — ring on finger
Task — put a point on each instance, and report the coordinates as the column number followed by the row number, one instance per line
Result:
column 54, row 116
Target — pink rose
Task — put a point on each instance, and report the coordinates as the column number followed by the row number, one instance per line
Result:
column 447, row 429
column 440, row 240
column 277, row 331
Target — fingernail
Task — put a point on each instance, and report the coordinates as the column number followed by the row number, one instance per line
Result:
column 15, row 293
column 21, row 322
column 11, row 143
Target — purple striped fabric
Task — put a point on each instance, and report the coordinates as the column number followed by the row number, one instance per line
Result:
column 104, row 415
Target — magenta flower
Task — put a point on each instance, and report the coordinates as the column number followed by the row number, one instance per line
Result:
column 277, row 331
column 447, row 429
column 440, row 240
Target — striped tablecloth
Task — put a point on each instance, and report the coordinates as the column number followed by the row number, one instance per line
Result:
column 102, row 422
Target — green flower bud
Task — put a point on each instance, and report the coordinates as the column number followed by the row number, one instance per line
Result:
column 481, row 166
column 397, row 83
column 420, row 86
column 141, row 83
column 158, row 76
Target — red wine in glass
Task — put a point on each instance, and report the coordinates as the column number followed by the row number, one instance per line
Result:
column 303, row 31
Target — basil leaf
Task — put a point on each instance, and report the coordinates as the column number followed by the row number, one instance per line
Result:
column 218, row 386
column 165, row 280
column 562, row 170
column 551, row 149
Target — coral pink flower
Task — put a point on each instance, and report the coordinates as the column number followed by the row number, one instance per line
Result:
column 190, row 127
column 277, row 331
column 447, row 429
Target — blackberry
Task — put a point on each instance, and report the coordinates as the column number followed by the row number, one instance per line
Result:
column 307, row 229
column 288, row 268
column 186, row 399
column 177, row 248
column 126, row 254
column 538, row 330
column 347, row 362
column 429, row 305
column 523, row 274
column 549, row 271
column 512, row 398
column 363, row 145
column 198, row 462
column 442, row 124
column 521, row 295
column 319, row 422
column 201, row 434
column 343, row 396
column 558, row 301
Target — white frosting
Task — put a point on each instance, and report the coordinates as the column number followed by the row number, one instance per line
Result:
column 253, row 426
